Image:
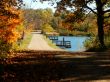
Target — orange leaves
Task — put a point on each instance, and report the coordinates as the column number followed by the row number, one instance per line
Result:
column 67, row 25
column 9, row 36
column 13, row 21
column 12, row 37
column 3, row 17
column 8, row 32
column 70, row 17
column 74, row 17
column 3, row 20
column 1, row 33
column 9, row 19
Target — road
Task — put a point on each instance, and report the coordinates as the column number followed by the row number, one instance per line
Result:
column 38, row 43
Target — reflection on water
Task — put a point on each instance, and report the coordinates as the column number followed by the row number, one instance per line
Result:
column 77, row 43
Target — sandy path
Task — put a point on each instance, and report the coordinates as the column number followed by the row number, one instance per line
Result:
column 38, row 43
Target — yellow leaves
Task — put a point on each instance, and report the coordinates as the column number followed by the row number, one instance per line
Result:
column 10, row 36
column 14, row 11
column 47, row 28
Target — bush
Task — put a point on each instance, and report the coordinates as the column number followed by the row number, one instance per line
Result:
column 5, row 49
column 47, row 28
column 92, row 44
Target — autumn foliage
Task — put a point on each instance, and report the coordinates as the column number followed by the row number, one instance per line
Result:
column 9, row 19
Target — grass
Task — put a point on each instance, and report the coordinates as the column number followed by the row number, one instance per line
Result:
column 50, row 43
column 24, row 43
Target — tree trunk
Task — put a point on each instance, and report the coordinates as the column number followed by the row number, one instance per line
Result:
column 100, row 22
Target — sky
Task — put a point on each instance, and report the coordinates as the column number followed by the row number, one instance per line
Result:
column 44, row 5
column 37, row 5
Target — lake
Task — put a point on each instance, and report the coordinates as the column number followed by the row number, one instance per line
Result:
column 77, row 43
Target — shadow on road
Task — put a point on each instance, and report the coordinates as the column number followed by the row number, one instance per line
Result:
column 33, row 68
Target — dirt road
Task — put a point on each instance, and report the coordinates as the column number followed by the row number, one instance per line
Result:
column 38, row 43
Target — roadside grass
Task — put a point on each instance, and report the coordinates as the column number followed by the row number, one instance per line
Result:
column 24, row 43
column 50, row 43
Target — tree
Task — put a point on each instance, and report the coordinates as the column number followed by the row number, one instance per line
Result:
column 102, row 7
column 47, row 28
column 9, row 19
column 37, row 17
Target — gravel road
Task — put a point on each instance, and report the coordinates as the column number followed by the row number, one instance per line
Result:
column 38, row 43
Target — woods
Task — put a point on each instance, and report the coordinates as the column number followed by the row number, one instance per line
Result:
column 64, row 21
column 12, row 17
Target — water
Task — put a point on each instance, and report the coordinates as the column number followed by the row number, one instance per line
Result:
column 77, row 43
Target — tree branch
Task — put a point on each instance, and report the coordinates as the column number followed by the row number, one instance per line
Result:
column 91, row 9
column 107, row 11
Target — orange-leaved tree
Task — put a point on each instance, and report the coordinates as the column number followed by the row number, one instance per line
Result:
column 9, row 19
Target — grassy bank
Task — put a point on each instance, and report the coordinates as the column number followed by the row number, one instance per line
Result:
column 50, row 43
column 24, row 43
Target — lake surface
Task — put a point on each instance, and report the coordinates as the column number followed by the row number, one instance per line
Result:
column 77, row 43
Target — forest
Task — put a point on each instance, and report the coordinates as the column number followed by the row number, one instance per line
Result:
column 19, row 22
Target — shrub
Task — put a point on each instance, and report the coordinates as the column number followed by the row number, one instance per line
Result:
column 92, row 44
column 47, row 28
column 5, row 49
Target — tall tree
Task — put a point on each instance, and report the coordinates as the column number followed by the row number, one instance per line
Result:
column 9, row 19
